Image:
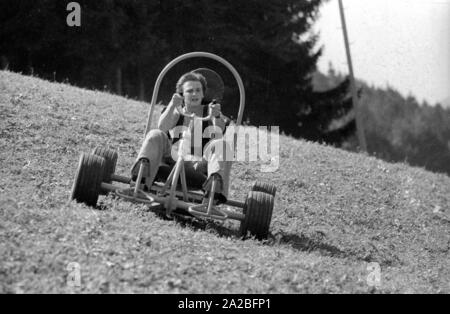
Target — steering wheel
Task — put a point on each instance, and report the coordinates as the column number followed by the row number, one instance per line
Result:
column 192, row 55
column 194, row 116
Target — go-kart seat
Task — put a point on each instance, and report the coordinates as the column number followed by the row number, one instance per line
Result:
column 194, row 179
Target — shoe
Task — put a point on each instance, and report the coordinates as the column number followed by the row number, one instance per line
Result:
column 143, row 183
column 142, row 186
column 218, row 197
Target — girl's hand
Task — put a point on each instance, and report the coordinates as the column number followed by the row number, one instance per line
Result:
column 177, row 100
column 214, row 109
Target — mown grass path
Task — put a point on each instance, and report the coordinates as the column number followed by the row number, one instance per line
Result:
column 335, row 213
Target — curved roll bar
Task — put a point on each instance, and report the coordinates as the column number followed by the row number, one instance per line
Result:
column 193, row 55
column 193, row 115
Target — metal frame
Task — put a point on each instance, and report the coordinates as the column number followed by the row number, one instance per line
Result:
column 152, row 198
column 189, row 55
column 175, row 200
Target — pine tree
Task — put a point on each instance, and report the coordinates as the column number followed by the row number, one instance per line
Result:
column 328, row 116
column 124, row 44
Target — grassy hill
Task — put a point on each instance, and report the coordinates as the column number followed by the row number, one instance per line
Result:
column 335, row 213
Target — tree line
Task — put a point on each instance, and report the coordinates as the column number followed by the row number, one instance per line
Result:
column 399, row 128
column 120, row 46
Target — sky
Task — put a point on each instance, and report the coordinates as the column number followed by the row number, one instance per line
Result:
column 401, row 43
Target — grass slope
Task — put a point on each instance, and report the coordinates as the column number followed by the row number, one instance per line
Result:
column 335, row 212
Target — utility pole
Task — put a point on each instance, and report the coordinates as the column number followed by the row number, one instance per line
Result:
column 359, row 124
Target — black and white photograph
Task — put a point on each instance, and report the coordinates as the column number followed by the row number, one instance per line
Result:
column 223, row 153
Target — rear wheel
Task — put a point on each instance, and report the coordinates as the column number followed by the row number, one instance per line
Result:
column 264, row 187
column 110, row 161
column 88, row 179
column 258, row 210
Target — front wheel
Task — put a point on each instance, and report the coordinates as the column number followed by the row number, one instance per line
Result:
column 258, row 210
column 110, row 161
column 88, row 179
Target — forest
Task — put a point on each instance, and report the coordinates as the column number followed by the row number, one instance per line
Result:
column 398, row 128
column 120, row 46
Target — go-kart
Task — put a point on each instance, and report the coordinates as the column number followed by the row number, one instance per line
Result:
column 96, row 173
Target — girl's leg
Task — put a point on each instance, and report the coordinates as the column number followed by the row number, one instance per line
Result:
column 155, row 146
column 218, row 166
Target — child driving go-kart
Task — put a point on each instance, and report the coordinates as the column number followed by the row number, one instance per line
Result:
column 206, row 162
column 183, row 166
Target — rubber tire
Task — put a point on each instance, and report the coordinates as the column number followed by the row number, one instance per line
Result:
column 258, row 210
column 110, row 161
column 88, row 179
column 264, row 187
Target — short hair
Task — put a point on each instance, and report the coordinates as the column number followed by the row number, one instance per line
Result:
column 191, row 76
